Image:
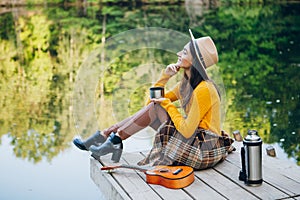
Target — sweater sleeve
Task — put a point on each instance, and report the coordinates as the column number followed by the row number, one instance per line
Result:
column 173, row 94
column 199, row 106
column 164, row 78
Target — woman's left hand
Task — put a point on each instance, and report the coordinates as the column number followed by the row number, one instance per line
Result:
column 157, row 100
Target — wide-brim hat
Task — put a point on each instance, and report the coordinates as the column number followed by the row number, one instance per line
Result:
column 206, row 53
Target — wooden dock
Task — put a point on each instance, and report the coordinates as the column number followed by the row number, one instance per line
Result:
column 281, row 181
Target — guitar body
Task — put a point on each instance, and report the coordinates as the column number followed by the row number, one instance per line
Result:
column 174, row 177
column 164, row 175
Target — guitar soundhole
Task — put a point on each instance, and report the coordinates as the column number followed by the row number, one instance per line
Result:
column 163, row 170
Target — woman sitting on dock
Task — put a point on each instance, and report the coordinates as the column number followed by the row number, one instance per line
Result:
column 194, row 139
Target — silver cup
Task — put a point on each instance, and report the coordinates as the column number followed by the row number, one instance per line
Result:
column 157, row 92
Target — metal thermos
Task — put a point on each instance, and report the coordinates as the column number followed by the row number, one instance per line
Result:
column 251, row 156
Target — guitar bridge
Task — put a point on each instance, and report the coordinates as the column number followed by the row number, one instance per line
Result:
column 177, row 171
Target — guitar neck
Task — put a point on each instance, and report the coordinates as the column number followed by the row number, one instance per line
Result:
column 143, row 169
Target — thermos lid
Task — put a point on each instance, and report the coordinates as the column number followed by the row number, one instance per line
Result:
column 252, row 136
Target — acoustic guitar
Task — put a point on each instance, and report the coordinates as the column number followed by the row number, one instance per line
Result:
column 174, row 177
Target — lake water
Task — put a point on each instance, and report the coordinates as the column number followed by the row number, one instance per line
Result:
column 67, row 70
column 67, row 176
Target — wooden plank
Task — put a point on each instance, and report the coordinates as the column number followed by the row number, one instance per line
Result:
column 220, row 182
column 284, row 183
column 164, row 192
column 223, row 185
column 264, row 191
column 273, row 176
column 298, row 198
column 131, row 182
column 108, row 186
column 286, row 168
column 200, row 190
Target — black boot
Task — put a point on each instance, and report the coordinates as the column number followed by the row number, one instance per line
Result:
column 96, row 139
column 113, row 145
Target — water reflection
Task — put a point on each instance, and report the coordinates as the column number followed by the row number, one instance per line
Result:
column 65, row 177
column 42, row 51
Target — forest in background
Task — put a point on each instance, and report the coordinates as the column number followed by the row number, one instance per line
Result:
column 134, row 2
column 41, row 51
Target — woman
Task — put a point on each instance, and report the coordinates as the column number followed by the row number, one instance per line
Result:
column 195, row 139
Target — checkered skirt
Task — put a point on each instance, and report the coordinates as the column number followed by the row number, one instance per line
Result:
column 203, row 150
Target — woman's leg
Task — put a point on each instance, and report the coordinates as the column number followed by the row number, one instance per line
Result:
column 151, row 115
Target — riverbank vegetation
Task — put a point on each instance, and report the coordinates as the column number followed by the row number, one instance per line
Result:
column 43, row 48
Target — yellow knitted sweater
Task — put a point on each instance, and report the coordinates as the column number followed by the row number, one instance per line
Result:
column 203, row 110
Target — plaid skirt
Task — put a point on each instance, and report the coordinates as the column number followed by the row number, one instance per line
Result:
column 202, row 150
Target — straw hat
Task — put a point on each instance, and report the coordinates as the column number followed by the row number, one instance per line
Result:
column 206, row 53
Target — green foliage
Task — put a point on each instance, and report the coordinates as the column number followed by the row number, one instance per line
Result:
column 41, row 53
column 7, row 27
column 258, row 61
column 248, row 1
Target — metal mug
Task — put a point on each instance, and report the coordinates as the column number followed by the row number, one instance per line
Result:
column 157, row 92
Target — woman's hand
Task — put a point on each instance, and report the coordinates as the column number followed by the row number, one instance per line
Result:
column 172, row 69
column 157, row 100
